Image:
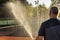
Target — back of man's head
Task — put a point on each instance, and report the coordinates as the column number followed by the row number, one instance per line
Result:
column 54, row 10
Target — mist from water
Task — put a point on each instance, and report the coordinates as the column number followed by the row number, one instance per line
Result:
column 18, row 11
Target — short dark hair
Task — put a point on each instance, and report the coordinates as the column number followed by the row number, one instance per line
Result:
column 54, row 10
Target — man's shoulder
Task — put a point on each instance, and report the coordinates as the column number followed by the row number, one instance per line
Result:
column 58, row 21
column 47, row 21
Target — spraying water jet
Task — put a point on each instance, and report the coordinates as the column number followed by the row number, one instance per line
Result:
column 17, row 11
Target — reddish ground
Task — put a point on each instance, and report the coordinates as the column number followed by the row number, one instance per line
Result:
column 14, row 38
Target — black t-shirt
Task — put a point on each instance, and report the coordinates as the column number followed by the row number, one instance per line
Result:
column 49, row 23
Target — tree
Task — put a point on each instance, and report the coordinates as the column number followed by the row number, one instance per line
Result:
column 58, row 1
column 54, row 2
column 3, row 2
column 43, row 12
column 24, row 2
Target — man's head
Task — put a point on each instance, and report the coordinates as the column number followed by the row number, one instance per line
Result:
column 53, row 12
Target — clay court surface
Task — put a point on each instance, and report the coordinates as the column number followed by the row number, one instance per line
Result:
column 14, row 38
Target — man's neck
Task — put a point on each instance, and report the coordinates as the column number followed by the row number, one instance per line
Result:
column 54, row 17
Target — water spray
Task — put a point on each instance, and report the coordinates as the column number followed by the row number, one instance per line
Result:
column 18, row 13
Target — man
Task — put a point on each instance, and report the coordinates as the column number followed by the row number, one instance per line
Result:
column 53, row 21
